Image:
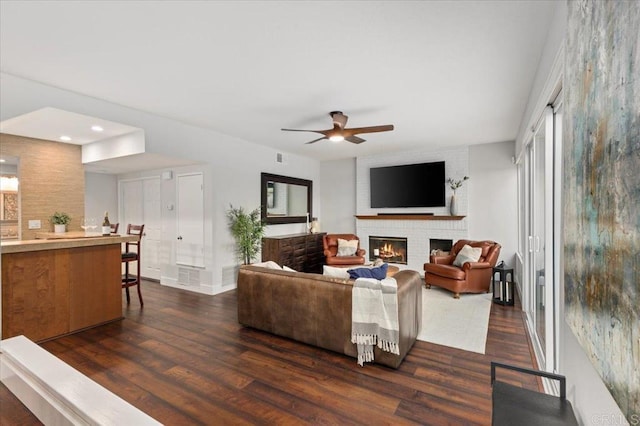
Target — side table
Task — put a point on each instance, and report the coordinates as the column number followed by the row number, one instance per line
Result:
column 503, row 286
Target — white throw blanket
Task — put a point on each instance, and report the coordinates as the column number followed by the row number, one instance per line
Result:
column 374, row 317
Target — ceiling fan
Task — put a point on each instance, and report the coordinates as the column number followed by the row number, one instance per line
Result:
column 340, row 133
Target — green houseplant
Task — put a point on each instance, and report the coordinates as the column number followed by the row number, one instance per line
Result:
column 247, row 229
column 60, row 220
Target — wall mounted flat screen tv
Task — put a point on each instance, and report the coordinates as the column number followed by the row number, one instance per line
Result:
column 410, row 185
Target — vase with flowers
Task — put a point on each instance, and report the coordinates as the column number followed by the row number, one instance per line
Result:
column 454, row 185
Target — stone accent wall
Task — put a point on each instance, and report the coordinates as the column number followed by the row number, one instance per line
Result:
column 51, row 179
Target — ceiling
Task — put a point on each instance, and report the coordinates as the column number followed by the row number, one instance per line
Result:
column 53, row 124
column 445, row 73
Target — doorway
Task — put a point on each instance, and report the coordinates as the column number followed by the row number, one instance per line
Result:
column 140, row 203
column 190, row 220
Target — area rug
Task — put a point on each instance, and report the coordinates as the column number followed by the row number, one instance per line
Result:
column 459, row 323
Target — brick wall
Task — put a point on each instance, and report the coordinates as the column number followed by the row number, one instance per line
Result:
column 417, row 232
column 51, row 179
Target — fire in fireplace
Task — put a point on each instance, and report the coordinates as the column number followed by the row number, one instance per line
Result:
column 389, row 249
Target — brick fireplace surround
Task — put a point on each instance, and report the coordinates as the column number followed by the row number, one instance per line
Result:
column 417, row 232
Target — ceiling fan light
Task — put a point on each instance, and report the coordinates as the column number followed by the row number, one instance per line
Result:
column 336, row 138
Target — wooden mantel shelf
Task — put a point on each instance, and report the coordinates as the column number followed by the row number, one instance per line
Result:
column 408, row 217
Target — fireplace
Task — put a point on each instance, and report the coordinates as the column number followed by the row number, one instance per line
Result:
column 389, row 249
column 436, row 245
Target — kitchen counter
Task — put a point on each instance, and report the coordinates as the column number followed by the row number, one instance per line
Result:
column 52, row 241
column 53, row 287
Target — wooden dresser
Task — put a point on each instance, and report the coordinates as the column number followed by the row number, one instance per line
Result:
column 302, row 252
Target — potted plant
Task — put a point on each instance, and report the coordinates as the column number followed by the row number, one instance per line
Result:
column 454, row 185
column 247, row 229
column 60, row 221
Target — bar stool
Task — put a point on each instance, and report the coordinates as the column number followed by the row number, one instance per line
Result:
column 114, row 228
column 129, row 280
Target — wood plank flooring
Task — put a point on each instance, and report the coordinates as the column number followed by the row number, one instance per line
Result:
column 185, row 360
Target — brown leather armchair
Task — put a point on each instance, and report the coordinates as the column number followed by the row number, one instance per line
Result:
column 473, row 277
column 330, row 243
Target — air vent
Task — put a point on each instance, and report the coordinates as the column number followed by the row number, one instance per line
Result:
column 189, row 277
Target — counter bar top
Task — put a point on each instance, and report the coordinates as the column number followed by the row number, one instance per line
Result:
column 72, row 240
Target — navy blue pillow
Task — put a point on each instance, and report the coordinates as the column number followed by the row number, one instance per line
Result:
column 379, row 273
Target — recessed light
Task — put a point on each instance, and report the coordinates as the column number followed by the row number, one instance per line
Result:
column 65, row 138
column 2, row 160
column 97, row 128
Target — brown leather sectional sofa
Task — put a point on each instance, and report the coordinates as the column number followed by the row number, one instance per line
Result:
column 316, row 309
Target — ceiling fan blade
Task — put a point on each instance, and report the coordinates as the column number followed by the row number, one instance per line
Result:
column 370, row 129
column 300, row 130
column 315, row 140
column 354, row 139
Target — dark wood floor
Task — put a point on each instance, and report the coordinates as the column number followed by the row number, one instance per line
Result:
column 184, row 359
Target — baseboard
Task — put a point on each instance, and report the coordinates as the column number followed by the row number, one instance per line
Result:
column 172, row 282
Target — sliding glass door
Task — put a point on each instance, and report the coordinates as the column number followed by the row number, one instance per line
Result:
column 540, row 301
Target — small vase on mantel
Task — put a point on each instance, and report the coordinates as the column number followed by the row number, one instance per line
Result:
column 453, row 208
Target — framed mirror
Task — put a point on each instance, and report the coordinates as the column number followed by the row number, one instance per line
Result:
column 285, row 199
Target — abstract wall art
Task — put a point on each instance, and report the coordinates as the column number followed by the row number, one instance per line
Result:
column 601, row 191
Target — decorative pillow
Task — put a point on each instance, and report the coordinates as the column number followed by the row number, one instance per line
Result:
column 378, row 273
column 347, row 248
column 332, row 271
column 467, row 254
column 270, row 264
column 286, row 268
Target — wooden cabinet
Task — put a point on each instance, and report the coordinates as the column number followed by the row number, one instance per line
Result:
column 302, row 252
column 50, row 293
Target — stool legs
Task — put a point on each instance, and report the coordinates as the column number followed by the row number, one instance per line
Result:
column 126, row 281
column 129, row 282
column 139, row 283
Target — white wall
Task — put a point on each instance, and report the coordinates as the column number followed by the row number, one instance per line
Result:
column 542, row 85
column 338, row 196
column 235, row 164
column 417, row 232
column 100, row 195
column 493, row 196
column 592, row 402
column 456, row 166
column 489, row 197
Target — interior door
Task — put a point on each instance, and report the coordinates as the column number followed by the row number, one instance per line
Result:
column 152, row 225
column 190, row 216
column 140, row 205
